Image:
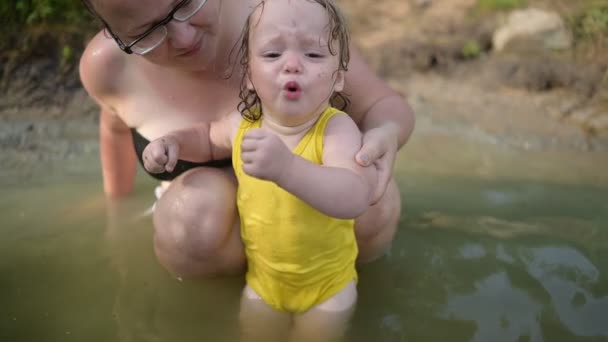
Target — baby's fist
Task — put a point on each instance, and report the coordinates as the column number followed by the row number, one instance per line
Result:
column 161, row 155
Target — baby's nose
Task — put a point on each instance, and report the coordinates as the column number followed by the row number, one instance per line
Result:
column 293, row 64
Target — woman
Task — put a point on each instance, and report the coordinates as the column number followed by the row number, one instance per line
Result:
column 175, row 65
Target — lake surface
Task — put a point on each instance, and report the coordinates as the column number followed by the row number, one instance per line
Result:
column 487, row 250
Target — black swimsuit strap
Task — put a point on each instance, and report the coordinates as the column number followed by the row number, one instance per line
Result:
column 140, row 142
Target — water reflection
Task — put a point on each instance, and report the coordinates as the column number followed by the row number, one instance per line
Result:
column 506, row 310
column 482, row 278
column 472, row 251
column 472, row 261
column 151, row 305
column 501, row 311
column 568, row 276
column 502, row 255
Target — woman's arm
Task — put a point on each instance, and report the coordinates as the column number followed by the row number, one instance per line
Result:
column 374, row 104
column 118, row 159
column 384, row 117
column 100, row 68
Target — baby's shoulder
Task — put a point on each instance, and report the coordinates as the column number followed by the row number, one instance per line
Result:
column 340, row 121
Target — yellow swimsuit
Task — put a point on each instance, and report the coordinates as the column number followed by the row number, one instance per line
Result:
column 297, row 257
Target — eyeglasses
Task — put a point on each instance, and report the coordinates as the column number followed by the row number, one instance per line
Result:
column 156, row 34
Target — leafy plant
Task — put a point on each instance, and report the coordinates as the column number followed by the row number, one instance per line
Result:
column 67, row 53
column 499, row 5
column 43, row 28
column 471, row 49
column 21, row 14
column 592, row 23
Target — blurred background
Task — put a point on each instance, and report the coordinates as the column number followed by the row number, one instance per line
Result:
column 529, row 74
column 504, row 227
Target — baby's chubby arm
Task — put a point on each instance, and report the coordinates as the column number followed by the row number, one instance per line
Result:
column 202, row 142
column 339, row 188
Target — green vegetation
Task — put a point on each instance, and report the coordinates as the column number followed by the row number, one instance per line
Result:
column 499, row 5
column 591, row 24
column 19, row 15
column 67, row 56
column 471, row 49
column 53, row 28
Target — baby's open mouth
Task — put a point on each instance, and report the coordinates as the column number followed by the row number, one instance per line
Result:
column 293, row 91
column 292, row 86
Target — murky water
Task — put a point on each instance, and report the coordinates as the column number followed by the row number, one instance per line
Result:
column 475, row 259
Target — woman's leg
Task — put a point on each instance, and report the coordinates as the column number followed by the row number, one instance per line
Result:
column 376, row 228
column 197, row 231
column 326, row 321
column 259, row 322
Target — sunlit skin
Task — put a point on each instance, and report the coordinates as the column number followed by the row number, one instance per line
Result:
column 294, row 73
column 193, row 45
column 163, row 91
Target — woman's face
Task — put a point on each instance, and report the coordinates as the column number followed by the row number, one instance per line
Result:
column 190, row 45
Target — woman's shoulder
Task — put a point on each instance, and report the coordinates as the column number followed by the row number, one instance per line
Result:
column 101, row 67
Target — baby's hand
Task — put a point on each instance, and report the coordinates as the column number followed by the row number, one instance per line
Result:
column 264, row 155
column 161, row 155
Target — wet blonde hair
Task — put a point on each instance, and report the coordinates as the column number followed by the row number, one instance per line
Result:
column 338, row 33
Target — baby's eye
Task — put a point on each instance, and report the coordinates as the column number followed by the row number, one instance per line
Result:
column 314, row 55
column 271, row 55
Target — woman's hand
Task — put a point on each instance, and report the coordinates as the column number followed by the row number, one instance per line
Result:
column 379, row 148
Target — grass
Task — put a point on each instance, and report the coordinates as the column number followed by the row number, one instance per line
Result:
column 499, row 5
column 592, row 23
column 471, row 50
column 588, row 22
column 18, row 15
column 586, row 19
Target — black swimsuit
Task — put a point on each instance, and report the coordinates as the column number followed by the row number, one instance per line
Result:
column 140, row 143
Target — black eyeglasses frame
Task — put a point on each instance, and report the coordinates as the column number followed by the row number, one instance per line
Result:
column 127, row 47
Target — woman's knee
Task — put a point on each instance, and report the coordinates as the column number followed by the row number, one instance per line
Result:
column 197, row 213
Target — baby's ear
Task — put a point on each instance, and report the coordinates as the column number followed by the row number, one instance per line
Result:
column 339, row 82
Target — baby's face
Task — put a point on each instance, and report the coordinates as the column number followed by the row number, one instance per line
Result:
column 291, row 67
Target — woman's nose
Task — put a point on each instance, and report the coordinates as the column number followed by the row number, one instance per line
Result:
column 292, row 64
column 181, row 35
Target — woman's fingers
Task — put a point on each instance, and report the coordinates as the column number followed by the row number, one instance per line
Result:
column 380, row 150
column 385, row 172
